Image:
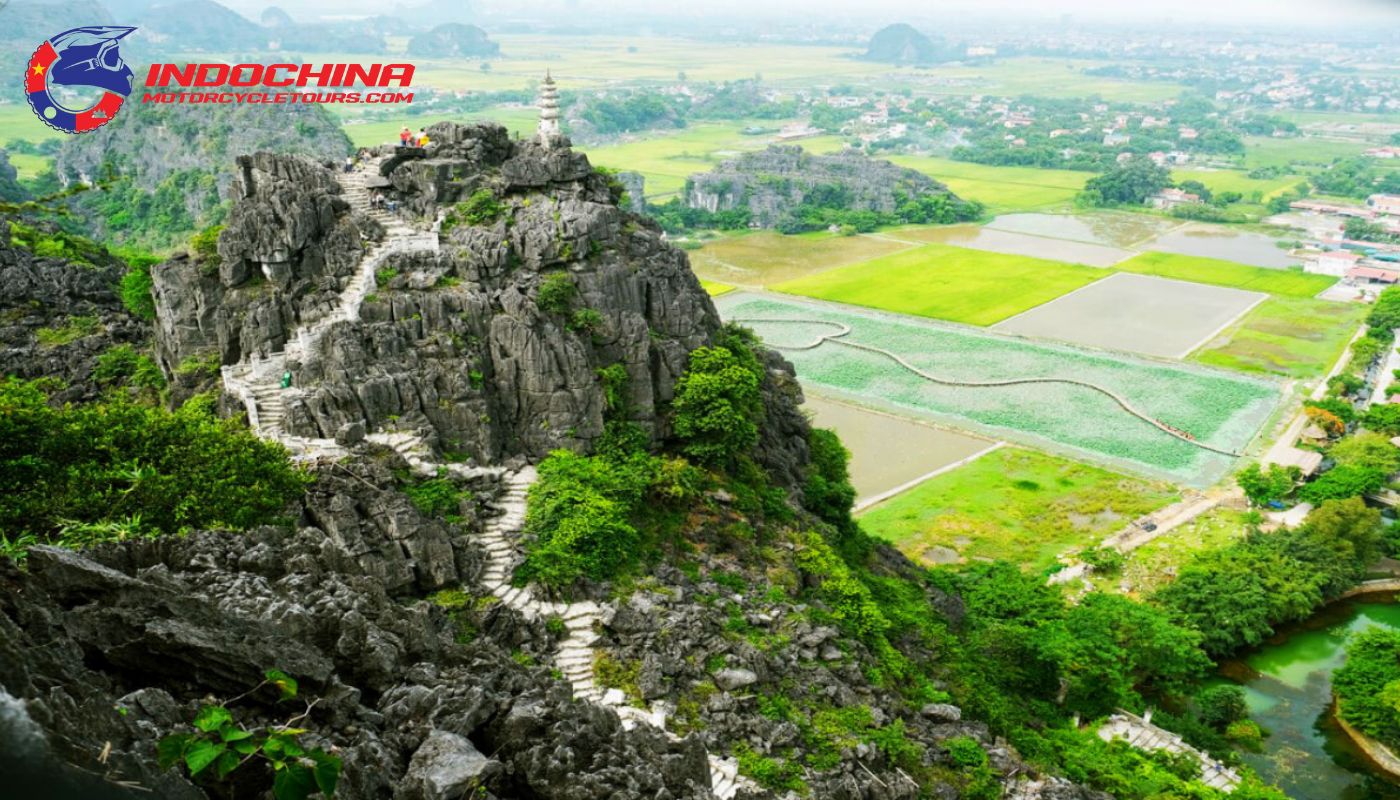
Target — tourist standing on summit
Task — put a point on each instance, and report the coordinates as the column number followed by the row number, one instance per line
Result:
column 405, row 137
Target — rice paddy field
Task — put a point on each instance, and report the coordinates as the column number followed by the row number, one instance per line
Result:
column 1217, row 272
column 1291, row 336
column 945, row 282
column 714, row 289
column 1222, row 409
column 1013, row 504
column 890, row 451
column 1002, row 189
column 1225, row 180
column 765, row 257
column 1137, row 313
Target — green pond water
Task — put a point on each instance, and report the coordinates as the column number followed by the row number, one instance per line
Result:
column 1288, row 684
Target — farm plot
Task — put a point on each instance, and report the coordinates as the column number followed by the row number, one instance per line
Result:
column 1217, row 272
column 767, row 257
column 889, row 451
column 1294, row 336
column 978, row 237
column 946, row 282
column 1137, row 313
column 1013, row 505
column 1218, row 409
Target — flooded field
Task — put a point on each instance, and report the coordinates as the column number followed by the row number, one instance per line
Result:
column 1137, row 313
column 1107, row 228
column 1213, row 241
column 988, row 238
column 887, row 451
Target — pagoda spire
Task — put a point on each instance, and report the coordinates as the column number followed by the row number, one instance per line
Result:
column 548, row 129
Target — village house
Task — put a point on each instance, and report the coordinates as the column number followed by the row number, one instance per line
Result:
column 1168, row 199
column 1187, row 133
column 1332, row 262
column 1384, row 152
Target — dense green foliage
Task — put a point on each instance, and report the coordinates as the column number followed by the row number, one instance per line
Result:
column 481, row 208
column 1236, row 595
column 718, row 405
column 1263, row 486
column 1367, row 686
column 556, row 293
column 823, row 207
column 136, row 286
column 1129, row 183
column 119, row 468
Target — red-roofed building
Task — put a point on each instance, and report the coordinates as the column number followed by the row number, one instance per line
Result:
column 1373, row 275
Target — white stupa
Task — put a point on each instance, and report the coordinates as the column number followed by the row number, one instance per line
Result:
column 548, row 130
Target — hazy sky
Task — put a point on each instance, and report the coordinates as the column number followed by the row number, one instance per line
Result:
column 874, row 13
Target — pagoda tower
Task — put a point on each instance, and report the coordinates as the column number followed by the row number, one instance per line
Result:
column 548, row 130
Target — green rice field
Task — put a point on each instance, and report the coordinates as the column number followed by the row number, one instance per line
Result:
column 1002, row 189
column 1292, row 336
column 1227, row 180
column 1219, row 408
column 1014, row 505
column 958, row 284
column 714, row 289
column 1285, row 282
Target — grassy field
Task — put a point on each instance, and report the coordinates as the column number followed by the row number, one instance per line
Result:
column 1002, row 189
column 1269, row 152
column 667, row 158
column 17, row 121
column 1235, row 181
column 714, row 289
column 1151, row 566
column 1285, row 282
column 29, row 166
column 1014, row 505
column 1294, row 336
column 766, row 257
column 945, row 282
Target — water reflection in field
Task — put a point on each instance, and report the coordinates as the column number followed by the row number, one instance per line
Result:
column 1214, row 241
column 1109, row 228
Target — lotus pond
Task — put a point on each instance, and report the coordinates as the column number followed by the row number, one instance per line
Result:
column 1218, row 408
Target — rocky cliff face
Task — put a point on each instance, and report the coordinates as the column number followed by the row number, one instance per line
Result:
column 57, row 317
column 469, row 347
column 772, row 183
column 168, row 168
column 112, row 648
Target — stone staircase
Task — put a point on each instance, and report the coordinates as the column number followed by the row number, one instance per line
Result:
column 256, row 381
column 1142, row 734
column 575, row 656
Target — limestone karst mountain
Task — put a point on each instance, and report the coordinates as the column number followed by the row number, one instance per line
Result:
column 775, row 186
column 435, row 352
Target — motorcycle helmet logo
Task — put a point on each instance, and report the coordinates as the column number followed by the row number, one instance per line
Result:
column 76, row 81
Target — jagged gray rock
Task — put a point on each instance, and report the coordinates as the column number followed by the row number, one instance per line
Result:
column 772, row 183
column 456, row 347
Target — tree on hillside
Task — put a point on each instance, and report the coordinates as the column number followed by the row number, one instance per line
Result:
column 1129, row 183
column 1342, row 482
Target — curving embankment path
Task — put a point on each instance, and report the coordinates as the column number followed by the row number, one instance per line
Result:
column 843, row 330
